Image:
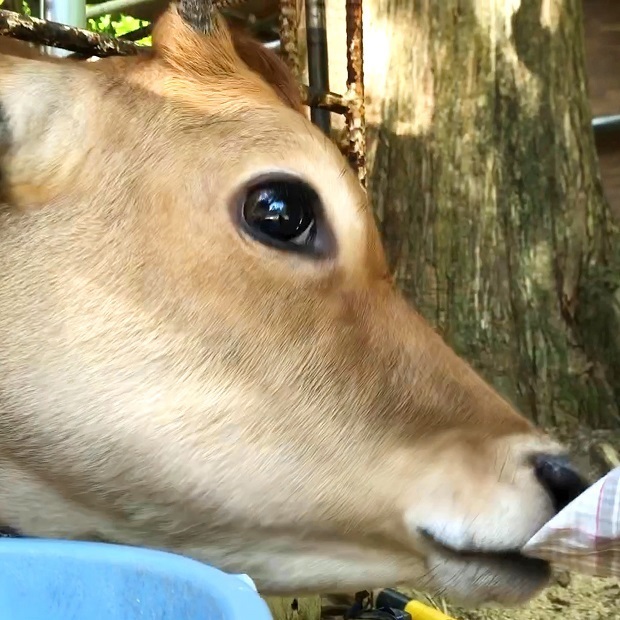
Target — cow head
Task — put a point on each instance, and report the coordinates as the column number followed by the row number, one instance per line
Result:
column 201, row 348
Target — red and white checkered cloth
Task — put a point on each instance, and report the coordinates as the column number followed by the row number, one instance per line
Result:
column 585, row 536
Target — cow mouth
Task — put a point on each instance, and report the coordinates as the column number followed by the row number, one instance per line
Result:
column 509, row 558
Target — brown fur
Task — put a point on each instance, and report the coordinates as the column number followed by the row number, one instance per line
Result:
column 269, row 66
column 168, row 381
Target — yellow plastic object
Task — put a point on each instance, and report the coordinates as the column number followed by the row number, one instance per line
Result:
column 420, row 611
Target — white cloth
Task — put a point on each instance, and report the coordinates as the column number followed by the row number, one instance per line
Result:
column 585, row 536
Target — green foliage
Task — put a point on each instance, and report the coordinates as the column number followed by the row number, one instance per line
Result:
column 114, row 25
column 25, row 7
column 117, row 25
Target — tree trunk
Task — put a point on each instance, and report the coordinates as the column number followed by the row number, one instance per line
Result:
column 485, row 181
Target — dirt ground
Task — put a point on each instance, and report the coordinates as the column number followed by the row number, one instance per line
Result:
column 583, row 599
column 571, row 597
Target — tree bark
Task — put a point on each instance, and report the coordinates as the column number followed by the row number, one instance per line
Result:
column 484, row 178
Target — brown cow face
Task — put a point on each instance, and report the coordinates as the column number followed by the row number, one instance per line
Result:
column 201, row 349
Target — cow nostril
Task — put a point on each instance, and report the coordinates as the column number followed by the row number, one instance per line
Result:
column 560, row 479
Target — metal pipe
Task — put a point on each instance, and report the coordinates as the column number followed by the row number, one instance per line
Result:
column 318, row 68
column 124, row 6
column 606, row 124
column 112, row 6
column 69, row 12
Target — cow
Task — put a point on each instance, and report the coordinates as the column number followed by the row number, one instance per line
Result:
column 202, row 349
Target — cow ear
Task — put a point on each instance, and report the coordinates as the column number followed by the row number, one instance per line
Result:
column 196, row 43
column 199, row 15
column 269, row 66
column 43, row 125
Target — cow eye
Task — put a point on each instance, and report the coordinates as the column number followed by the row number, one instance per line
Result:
column 282, row 213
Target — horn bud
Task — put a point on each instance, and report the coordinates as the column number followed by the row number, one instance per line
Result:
column 198, row 14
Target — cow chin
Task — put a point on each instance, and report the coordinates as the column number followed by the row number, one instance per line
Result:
column 282, row 566
column 507, row 579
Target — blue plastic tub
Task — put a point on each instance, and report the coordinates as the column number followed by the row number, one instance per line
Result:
column 67, row 580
